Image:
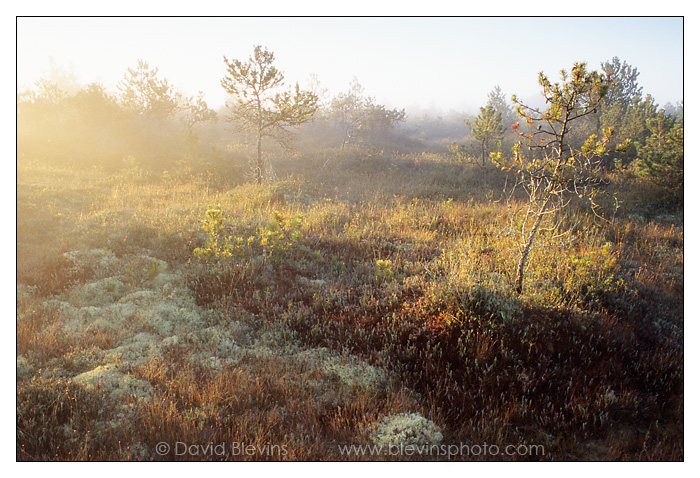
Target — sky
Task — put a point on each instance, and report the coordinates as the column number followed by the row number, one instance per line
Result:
column 426, row 63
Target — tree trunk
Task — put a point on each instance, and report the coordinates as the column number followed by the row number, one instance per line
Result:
column 259, row 166
column 259, row 163
column 528, row 248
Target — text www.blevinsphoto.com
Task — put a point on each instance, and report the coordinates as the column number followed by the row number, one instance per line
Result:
column 442, row 451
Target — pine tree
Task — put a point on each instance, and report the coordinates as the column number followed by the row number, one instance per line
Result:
column 497, row 99
column 487, row 129
column 661, row 156
column 549, row 169
column 144, row 93
column 259, row 104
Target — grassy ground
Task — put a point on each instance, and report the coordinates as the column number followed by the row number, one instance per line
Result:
column 365, row 302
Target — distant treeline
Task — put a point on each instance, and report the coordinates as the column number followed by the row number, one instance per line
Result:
column 149, row 124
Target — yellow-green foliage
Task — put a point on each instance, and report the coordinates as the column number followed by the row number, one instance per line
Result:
column 593, row 272
column 272, row 240
column 384, row 271
column 280, row 234
column 219, row 242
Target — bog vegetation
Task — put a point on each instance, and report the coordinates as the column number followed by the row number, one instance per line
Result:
column 297, row 272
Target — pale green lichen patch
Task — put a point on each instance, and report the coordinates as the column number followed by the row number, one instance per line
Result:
column 25, row 292
column 138, row 351
column 406, row 429
column 120, row 325
column 101, row 261
column 98, row 293
column 115, row 385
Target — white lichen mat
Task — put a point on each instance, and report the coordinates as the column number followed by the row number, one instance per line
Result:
column 146, row 315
